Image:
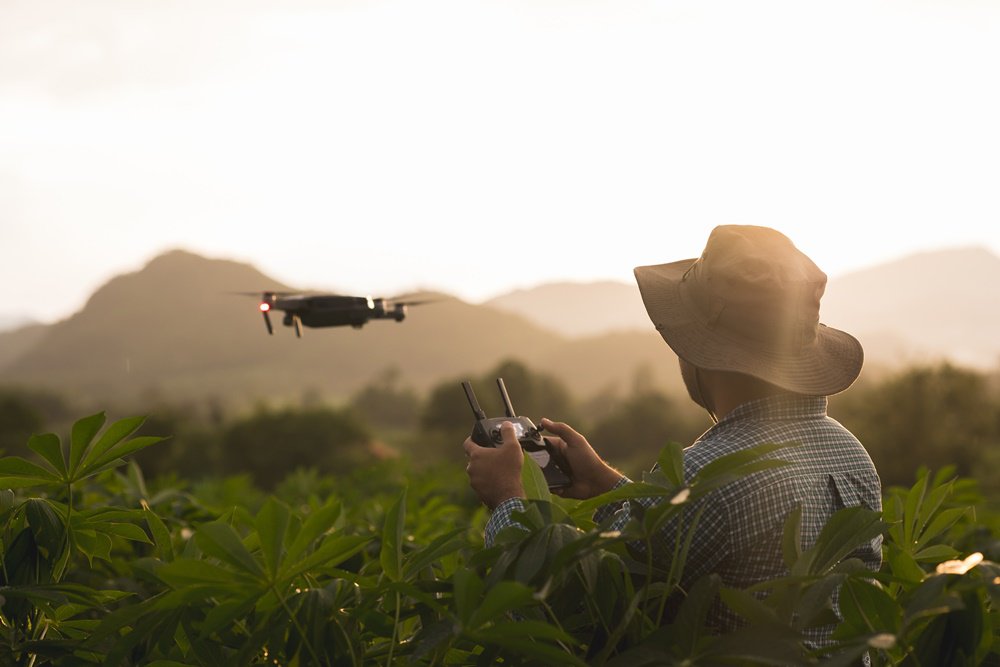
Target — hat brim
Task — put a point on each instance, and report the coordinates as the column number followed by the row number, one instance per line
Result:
column 829, row 365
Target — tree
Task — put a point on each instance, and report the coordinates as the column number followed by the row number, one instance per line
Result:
column 271, row 444
column 632, row 434
column 385, row 402
column 18, row 422
column 926, row 416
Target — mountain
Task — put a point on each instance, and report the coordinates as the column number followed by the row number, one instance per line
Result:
column 925, row 307
column 175, row 331
column 9, row 322
column 577, row 310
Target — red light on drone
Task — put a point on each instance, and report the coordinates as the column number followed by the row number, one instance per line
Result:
column 264, row 307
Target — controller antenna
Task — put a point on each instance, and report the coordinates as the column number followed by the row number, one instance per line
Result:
column 506, row 399
column 473, row 403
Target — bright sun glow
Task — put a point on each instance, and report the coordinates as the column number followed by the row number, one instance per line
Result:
column 478, row 146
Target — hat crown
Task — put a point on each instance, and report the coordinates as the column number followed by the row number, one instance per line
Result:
column 750, row 304
column 753, row 284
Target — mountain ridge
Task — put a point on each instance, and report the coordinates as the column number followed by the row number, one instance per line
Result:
column 174, row 330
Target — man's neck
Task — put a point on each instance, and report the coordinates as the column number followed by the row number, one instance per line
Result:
column 728, row 391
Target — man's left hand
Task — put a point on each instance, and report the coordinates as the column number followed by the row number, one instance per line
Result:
column 495, row 472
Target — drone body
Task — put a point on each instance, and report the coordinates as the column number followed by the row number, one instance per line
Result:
column 330, row 310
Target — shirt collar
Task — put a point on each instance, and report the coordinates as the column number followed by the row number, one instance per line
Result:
column 778, row 408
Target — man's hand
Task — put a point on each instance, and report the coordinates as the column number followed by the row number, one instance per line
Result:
column 591, row 475
column 495, row 472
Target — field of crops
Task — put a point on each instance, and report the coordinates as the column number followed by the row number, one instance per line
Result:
column 387, row 567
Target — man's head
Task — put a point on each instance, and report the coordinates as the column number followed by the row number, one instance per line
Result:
column 750, row 305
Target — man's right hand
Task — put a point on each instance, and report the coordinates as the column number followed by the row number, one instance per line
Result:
column 591, row 475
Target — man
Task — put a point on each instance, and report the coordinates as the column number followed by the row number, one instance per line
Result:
column 744, row 321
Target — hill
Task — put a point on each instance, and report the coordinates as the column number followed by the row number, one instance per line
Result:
column 927, row 306
column 577, row 310
column 174, row 331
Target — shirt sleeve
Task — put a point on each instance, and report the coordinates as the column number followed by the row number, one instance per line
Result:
column 501, row 518
column 604, row 511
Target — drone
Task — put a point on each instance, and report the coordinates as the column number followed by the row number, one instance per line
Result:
column 329, row 310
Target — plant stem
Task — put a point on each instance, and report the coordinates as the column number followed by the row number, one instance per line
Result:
column 295, row 621
column 395, row 629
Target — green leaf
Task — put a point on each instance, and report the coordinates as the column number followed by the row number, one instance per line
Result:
column 333, row 551
column 183, row 573
column 867, row 608
column 318, row 522
column 671, row 462
column 844, row 531
column 740, row 463
column 49, row 448
column 7, row 500
column 939, row 524
column 537, row 630
column 82, row 434
column 689, row 626
column 468, row 589
column 536, row 652
column 441, row 546
column 533, row 481
column 113, row 456
column 749, row 607
column 17, row 473
column 911, row 510
column 114, row 434
column 505, row 596
column 161, row 536
column 93, row 544
column 391, row 556
column 219, row 540
column 791, row 543
column 272, row 525
column 936, row 553
column 903, row 565
column 129, row 531
column 47, row 527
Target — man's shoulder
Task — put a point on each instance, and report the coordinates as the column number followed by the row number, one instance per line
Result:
column 814, row 439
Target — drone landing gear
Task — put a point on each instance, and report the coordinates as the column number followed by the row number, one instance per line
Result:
column 298, row 326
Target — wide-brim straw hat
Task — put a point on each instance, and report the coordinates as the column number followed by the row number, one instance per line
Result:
column 750, row 304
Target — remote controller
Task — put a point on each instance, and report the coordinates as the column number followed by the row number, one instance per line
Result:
column 486, row 433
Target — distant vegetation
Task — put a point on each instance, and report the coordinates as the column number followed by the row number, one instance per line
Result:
column 932, row 416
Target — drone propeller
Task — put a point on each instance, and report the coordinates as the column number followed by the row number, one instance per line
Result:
column 403, row 300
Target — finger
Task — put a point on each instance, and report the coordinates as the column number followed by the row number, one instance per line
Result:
column 469, row 446
column 563, row 430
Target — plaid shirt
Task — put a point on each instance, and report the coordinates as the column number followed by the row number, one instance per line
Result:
column 739, row 534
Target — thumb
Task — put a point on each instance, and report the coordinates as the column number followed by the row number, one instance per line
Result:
column 509, row 436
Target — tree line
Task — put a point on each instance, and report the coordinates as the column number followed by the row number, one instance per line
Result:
column 934, row 416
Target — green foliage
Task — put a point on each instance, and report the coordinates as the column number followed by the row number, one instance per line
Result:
column 386, row 403
column 272, row 443
column 926, row 416
column 385, row 566
column 18, row 420
column 636, row 428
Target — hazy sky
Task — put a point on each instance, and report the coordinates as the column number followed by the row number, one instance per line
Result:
column 477, row 146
